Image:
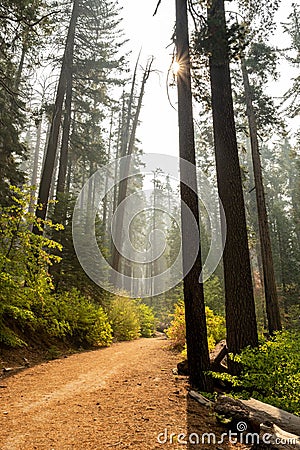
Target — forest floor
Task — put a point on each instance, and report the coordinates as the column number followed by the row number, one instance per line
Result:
column 119, row 397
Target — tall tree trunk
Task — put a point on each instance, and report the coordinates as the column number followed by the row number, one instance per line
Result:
column 281, row 258
column 118, row 149
column 253, row 215
column 272, row 306
column 51, row 152
column 63, row 160
column 105, row 200
column 22, row 59
column 126, row 130
column 89, row 206
column 124, row 170
column 239, row 301
column 123, row 137
column 35, row 163
column 196, row 331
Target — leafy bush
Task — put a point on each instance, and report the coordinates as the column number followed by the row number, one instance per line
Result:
column 216, row 330
column 271, row 373
column 27, row 302
column 124, row 317
column 71, row 315
column 24, row 261
column 176, row 332
column 147, row 320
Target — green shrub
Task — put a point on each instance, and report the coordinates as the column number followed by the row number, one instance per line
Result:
column 147, row 320
column 124, row 317
column 176, row 332
column 27, row 303
column 69, row 314
column 216, row 330
column 271, row 373
column 24, row 262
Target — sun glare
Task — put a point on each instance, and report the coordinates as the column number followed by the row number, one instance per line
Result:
column 175, row 67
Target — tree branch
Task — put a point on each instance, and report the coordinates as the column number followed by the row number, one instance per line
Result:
column 157, row 6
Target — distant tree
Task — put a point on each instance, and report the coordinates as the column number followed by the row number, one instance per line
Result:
column 272, row 305
column 127, row 150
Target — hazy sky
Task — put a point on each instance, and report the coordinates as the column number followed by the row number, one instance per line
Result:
column 158, row 131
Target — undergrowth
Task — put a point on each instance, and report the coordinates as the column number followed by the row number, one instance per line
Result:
column 270, row 373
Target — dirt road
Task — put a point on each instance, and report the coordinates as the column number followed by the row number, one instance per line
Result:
column 115, row 398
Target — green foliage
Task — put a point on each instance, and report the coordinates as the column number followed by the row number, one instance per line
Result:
column 216, row 330
column 176, row 332
column 130, row 319
column 27, row 302
column 291, row 97
column 124, row 318
column 71, row 315
column 270, row 373
column 22, row 36
column 147, row 320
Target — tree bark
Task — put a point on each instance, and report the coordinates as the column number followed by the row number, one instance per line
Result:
column 35, row 164
column 51, row 152
column 196, row 331
column 272, row 305
column 105, row 200
column 239, row 301
column 63, row 160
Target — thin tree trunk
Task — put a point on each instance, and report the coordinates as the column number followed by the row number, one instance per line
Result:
column 69, row 173
column 105, row 200
column 281, row 258
column 196, row 331
column 52, row 192
column 125, row 135
column 22, row 59
column 51, row 152
column 124, row 170
column 122, row 141
column 88, row 221
column 35, row 164
column 113, row 207
column 239, row 301
column 272, row 306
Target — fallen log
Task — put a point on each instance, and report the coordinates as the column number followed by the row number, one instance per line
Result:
column 274, row 435
column 254, row 413
column 200, row 398
column 13, row 369
column 216, row 357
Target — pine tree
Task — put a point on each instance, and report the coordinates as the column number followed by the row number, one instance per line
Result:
column 196, row 331
column 240, row 309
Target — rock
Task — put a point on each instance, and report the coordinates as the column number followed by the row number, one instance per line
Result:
column 183, row 368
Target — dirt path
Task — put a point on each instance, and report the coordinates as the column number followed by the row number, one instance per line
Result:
column 119, row 397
